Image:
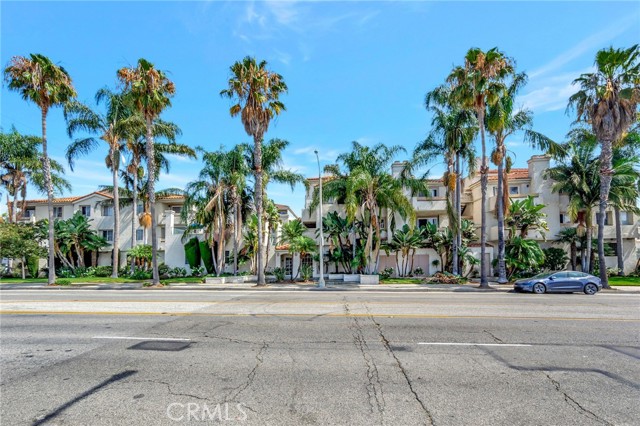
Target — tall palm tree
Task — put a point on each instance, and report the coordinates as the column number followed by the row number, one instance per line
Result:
column 150, row 90
column 272, row 171
column 236, row 170
column 480, row 82
column 47, row 85
column 134, row 172
column 20, row 165
column 256, row 92
column 570, row 236
column 608, row 100
column 453, row 130
column 113, row 127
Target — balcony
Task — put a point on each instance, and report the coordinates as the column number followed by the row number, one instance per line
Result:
column 435, row 205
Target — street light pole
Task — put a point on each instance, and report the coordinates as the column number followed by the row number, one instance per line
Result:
column 321, row 279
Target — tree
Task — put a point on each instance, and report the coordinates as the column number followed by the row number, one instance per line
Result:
column 525, row 215
column 236, row 170
column 523, row 255
column 608, row 100
column 113, row 127
column 19, row 241
column 453, row 130
column 272, row 171
column 554, row 259
column 150, row 91
column 20, row 165
column 47, row 85
column 360, row 180
column 291, row 235
column 405, row 241
column 478, row 84
column 302, row 245
column 337, row 230
column 256, row 92
column 570, row 236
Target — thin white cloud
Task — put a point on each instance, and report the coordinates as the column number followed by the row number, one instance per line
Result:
column 325, row 155
column 551, row 93
column 587, row 45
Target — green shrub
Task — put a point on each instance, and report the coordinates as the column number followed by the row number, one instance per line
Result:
column 418, row 272
column 555, row 259
column 65, row 273
column 102, row 271
column 63, row 281
column 306, row 272
column 178, row 272
column 198, row 271
column 140, row 274
column 386, row 273
column 206, row 256
column 33, row 266
column 192, row 252
column 279, row 273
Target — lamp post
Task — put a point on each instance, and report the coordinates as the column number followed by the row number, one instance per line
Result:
column 321, row 279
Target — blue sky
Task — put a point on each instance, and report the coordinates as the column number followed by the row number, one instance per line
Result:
column 355, row 70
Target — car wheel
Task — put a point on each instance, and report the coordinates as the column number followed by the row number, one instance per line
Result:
column 539, row 288
column 590, row 289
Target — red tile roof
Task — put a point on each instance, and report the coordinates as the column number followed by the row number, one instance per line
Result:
column 513, row 174
column 69, row 199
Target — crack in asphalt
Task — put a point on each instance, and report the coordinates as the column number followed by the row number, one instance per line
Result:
column 498, row 340
column 168, row 385
column 575, row 404
column 374, row 386
column 250, row 377
column 387, row 346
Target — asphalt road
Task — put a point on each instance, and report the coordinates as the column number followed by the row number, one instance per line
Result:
column 103, row 357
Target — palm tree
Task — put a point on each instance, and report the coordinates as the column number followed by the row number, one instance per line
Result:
column 453, row 130
column 20, row 165
column 256, row 92
column 366, row 188
column 150, row 91
column 113, row 127
column 272, row 171
column 525, row 215
column 291, row 235
column 405, row 241
column 47, row 85
column 478, row 84
column 608, row 100
column 570, row 236
column 209, row 197
column 236, row 170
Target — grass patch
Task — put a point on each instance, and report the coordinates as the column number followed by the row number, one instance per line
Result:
column 624, row 281
column 402, row 281
column 187, row 280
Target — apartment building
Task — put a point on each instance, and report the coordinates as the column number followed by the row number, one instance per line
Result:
column 522, row 182
column 170, row 227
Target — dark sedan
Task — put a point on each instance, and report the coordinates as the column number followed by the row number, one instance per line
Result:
column 560, row 282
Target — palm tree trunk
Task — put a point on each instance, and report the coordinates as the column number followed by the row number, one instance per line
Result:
column 116, row 217
column 606, row 154
column 134, row 217
column 456, row 194
column 14, row 208
column 459, row 209
column 587, row 256
column 573, row 251
column 235, row 231
column 483, row 187
column 502, row 272
column 151, row 169
column 46, row 166
column 619, row 248
column 257, row 161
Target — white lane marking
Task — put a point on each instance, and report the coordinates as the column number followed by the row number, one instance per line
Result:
column 472, row 344
column 162, row 339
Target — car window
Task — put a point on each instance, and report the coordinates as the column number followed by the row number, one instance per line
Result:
column 560, row 275
column 576, row 274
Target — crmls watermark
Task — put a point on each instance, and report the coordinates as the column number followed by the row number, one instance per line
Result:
column 193, row 411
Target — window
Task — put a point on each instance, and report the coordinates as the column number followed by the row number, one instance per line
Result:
column 626, row 218
column 495, row 190
column 29, row 212
column 383, row 224
column 608, row 219
column 434, row 192
column 561, row 275
column 85, row 210
column 176, row 209
column 514, row 190
column 140, row 208
column 57, row 212
column 423, row 221
column 282, row 212
column 564, row 218
column 107, row 234
column 139, row 234
column 573, row 274
column 107, row 210
column 307, row 260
